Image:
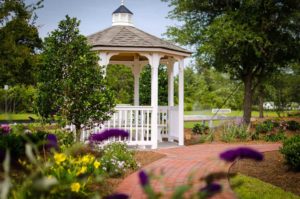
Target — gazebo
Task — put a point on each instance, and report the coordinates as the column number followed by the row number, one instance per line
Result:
column 123, row 44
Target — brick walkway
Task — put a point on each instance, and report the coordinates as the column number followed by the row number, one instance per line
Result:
column 184, row 162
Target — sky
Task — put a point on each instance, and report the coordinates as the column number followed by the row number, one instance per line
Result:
column 96, row 15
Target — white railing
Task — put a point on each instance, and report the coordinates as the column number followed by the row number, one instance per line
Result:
column 137, row 121
column 163, row 122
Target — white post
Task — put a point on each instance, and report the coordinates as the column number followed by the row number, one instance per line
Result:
column 170, row 83
column 154, row 97
column 104, row 59
column 136, row 73
column 181, row 103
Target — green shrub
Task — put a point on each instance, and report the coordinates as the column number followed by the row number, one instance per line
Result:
column 16, row 142
column 275, row 137
column 207, row 138
column 65, row 139
column 264, row 127
column 291, row 152
column 199, row 128
column 293, row 125
column 117, row 159
column 233, row 132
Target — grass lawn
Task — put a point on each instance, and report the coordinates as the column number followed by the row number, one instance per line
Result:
column 233, row 113
column 19, row 116
column 251, row 188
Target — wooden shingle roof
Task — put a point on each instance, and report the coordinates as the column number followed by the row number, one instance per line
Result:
column 129, row 36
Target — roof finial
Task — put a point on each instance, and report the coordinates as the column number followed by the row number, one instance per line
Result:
column 122, row 2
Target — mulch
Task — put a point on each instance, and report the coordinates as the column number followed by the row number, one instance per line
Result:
column 272, row 170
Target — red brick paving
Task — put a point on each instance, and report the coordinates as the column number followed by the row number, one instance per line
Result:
column 183, row 162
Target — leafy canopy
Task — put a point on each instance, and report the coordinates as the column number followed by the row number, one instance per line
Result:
column 71, row 84
column 19, row 42
column 247, row 39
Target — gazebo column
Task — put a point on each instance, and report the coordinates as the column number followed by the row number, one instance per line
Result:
column 181, row 102
column 154, row 60
column 104, row 59
column 170, row 83
column 136, row 73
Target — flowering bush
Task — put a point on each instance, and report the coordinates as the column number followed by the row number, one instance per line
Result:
column 4, row 129
column 61, row 176
column 117, row 159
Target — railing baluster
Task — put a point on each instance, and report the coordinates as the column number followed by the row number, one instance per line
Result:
column 136, row 124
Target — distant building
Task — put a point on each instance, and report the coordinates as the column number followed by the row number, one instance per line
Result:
column 269, row 105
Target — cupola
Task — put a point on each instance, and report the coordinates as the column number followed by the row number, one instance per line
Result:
column 122, row 16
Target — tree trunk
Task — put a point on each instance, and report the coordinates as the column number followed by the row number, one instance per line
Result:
column 78, row 132
column 247, row 107
column 261, row 101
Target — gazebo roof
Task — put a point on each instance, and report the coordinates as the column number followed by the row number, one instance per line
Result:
column 122, row 9
column 130, row 37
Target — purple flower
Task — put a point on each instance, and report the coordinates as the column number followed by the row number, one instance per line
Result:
column 105, row 135
column 51, row 142
column 144, row 180
column 5, row 129
column 117, row 196
column 242, row 152
column 211, row 189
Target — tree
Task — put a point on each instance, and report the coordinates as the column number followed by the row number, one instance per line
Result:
column 120, row 80
column 247, row 39
column 145, row 85
column 71, row 84
column 19, row 42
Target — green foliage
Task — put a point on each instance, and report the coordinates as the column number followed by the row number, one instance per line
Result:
column 19, row 98
column 58, row 176
column 19, row 42
column 207, row 88
column 15, row 141
column 241, row 38
column 117, row 159
column 121, row 81
column 145, row 85
column 199, row 128
column 293, row 125
column 71, row 84
column 209, row 137
column 235, row 132
column 65, row 139
column 264, row 127
column 275, row 137
column 291, row 151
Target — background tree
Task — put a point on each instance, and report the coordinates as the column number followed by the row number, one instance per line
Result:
column 71, row 82
column 19, row 42
column 145, row 86
column 246, row 39
column 120, row 80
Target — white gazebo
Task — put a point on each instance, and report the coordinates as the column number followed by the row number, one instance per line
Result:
column 124, row 44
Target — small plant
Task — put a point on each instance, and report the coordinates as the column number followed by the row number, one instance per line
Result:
column 233, row 132
column 207, row 137
column 275, row 137
column 291, row 152
column 293, row 125
column 265, row 127
column 199, row 128
column 117, row 159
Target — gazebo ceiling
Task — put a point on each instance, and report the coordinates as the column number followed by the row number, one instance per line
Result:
column 129, row 37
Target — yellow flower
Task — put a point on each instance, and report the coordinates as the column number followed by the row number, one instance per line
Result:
column 85, row 159
column 75, row 187
column 97, row 164
column 82, row 170
column 59, row 157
